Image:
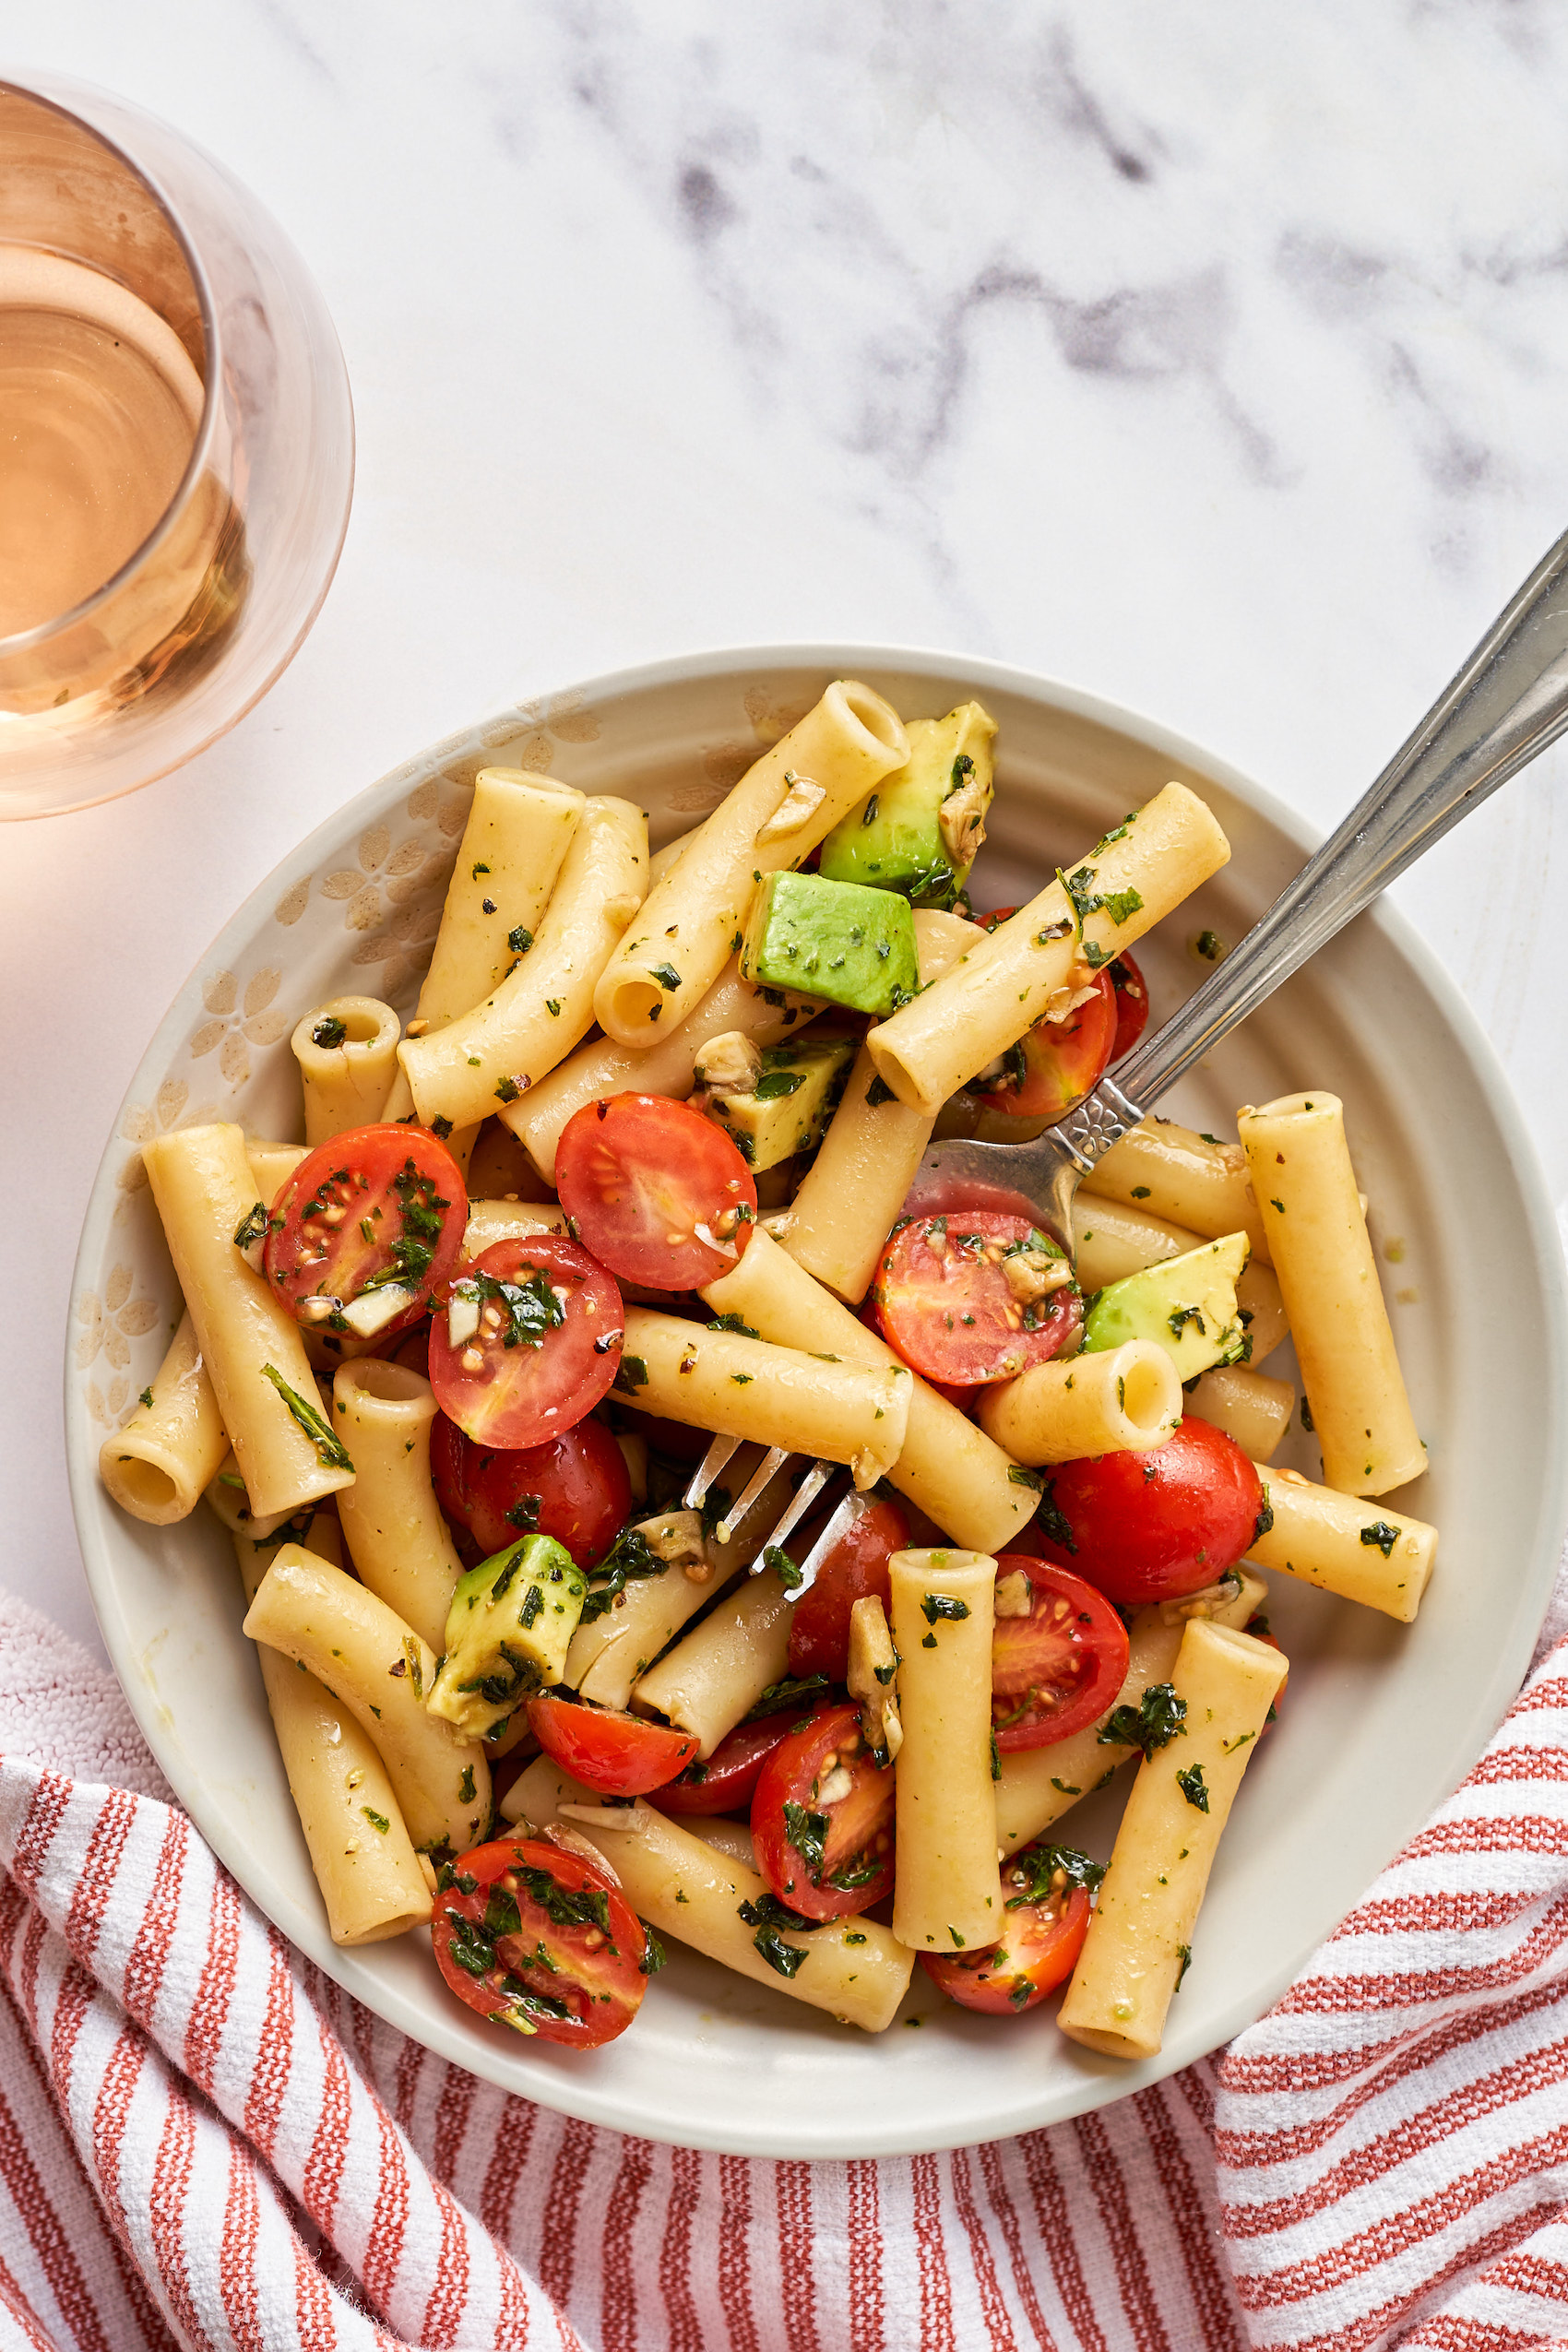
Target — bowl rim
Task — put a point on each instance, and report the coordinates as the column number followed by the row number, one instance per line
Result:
column 577, row 2093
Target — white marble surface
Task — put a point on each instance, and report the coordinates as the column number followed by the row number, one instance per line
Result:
column 1209, row 353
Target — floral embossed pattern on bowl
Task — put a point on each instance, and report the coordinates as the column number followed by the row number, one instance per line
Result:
column 1381, row 1721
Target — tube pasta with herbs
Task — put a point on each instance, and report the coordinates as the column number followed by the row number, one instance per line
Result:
column 948, row 1468
column 539, row 1117
column 717, row 1674
column 1120, row 1400
column 519, row 830
column 173, row 1445
column 380, row 1669
column 854, row 1969
column 1363, row 1552
column 287, row 1453
column 506, row 1043
column 776, row 1396
column 778, row 812
column 1323, row 1255
column 370, row 1880
column 1172, row 1171
column 395, row 1532
column 947, row 1894
column 347, row 1049
column 866, row 1162
column 1140, row 1933
column 1009, row 979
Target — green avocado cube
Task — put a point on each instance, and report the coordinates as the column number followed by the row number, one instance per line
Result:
column 1186, row 1305
column 787, row 1111
column 833, row 940
column 508, row 1628
column 918, row 831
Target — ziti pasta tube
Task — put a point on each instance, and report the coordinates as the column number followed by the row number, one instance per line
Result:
column 380, row 1669
column 1248, row 1406
column 852, row 1968
column 780, row 809
column 1323, row 1255
column 709, row 1682
column 718, row 1379
column 855, row 1187
column 1039, row 1785
column 1119, row 1400
column 539, row 1117
column 1172, row 1171
column 494, row 1053
column 948, row 1891
column 393, row 1529
column 1378, row 1557
column 371, row 1882
column 1007, row 980
column 1140, row 1934
column 519, row 830
column 347, row 1049
column 271, row 1165
column 173, row 1445
column 491, row 1222
column 948, row 1468
column 202, row 1184
column 1112, row 1241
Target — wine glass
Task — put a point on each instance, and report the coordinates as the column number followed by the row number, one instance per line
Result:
column 177, row 459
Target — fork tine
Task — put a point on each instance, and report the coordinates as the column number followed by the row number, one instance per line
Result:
column 707, row 1470
column 853, row 1506
column 800, row 1502
column 766, row 1469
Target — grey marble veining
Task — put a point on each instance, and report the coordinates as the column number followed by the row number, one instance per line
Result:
column 1210, row 356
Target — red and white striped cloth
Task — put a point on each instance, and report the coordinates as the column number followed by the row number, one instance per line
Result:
column 204, row 2142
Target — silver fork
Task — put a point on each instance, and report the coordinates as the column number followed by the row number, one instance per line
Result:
column 1508, row 702
column 851, row 1507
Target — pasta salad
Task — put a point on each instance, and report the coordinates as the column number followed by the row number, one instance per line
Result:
column 660, row 1517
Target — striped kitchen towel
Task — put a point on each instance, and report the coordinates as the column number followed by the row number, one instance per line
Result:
column 203, row 2142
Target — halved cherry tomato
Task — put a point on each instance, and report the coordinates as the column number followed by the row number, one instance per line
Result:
column 379, row 1209
column 547, row 1348
column 945, row 1301
column 573, row 1487
column 857, row 1565
column 1057, row 1062
column 1038, row 1952
column 822, row 1819
column 1057, row 1669
column 640, row 1175
column 725, row 1783
column 540, row 1939
column 1154, row 1527
column 1132, row 1004
column 995, row 916
column 620, row 1756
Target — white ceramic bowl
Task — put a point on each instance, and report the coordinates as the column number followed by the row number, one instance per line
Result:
column 1379, row 1722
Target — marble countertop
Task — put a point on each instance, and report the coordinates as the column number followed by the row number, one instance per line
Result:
column 1208, row 356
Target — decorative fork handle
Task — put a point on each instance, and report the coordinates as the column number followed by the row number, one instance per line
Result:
column 1508, row 702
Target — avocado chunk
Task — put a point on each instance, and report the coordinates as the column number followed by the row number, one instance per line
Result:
column 834, row 940
column 788, row 1108
column 1187, row 1305
column 918, row 832
column 507, row 1632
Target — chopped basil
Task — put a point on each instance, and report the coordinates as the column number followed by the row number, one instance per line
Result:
column 251, row 1228
column 1052, row 1518
column 146, row 1398
column 1152, row 1724
column 666, row 975
column 1383, row 1535
column 520, row 940
column 783, row 1567
column 1191, row 1784
column 792, row 1691
column 736, row 1323
column 1264, row 1519
column 328, row 1033
column 1041, row 1865
column 329, row 1450
column 879, row 1092
column 628, row 1560
column 935, row 1605
column 630, row 1373
column 773, row 1084
column 807, row 1832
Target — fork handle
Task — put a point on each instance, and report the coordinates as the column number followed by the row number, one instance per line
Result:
column 1508, row 702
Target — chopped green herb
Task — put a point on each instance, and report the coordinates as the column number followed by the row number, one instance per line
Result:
column 377, row 1820
column 1183, row 1953
column 465, row 1790
column 328, row 1033
column 1384, row 1535
column 807, row 1832
column 1040, row 1864
column 329, row 1450
column 630, row 1373
column 1191, row 1784
column 146, row 1398
column 251, row 1228
column 520, row 940
column 1152, row 1724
